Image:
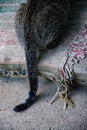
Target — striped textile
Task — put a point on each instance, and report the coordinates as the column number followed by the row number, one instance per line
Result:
column 10, row 5
column 12, row 62
column 8, row 39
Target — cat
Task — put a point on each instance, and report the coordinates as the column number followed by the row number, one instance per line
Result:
column 38, row 23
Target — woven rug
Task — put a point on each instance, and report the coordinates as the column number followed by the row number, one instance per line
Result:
column 60, row 64
column 12, row 56
column 11, row 53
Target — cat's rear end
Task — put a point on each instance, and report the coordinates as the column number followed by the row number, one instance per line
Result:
column 38, row 24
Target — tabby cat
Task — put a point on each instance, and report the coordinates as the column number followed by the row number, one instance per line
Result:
column 38, row 24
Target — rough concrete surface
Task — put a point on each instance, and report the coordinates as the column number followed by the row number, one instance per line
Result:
column 41, row 115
